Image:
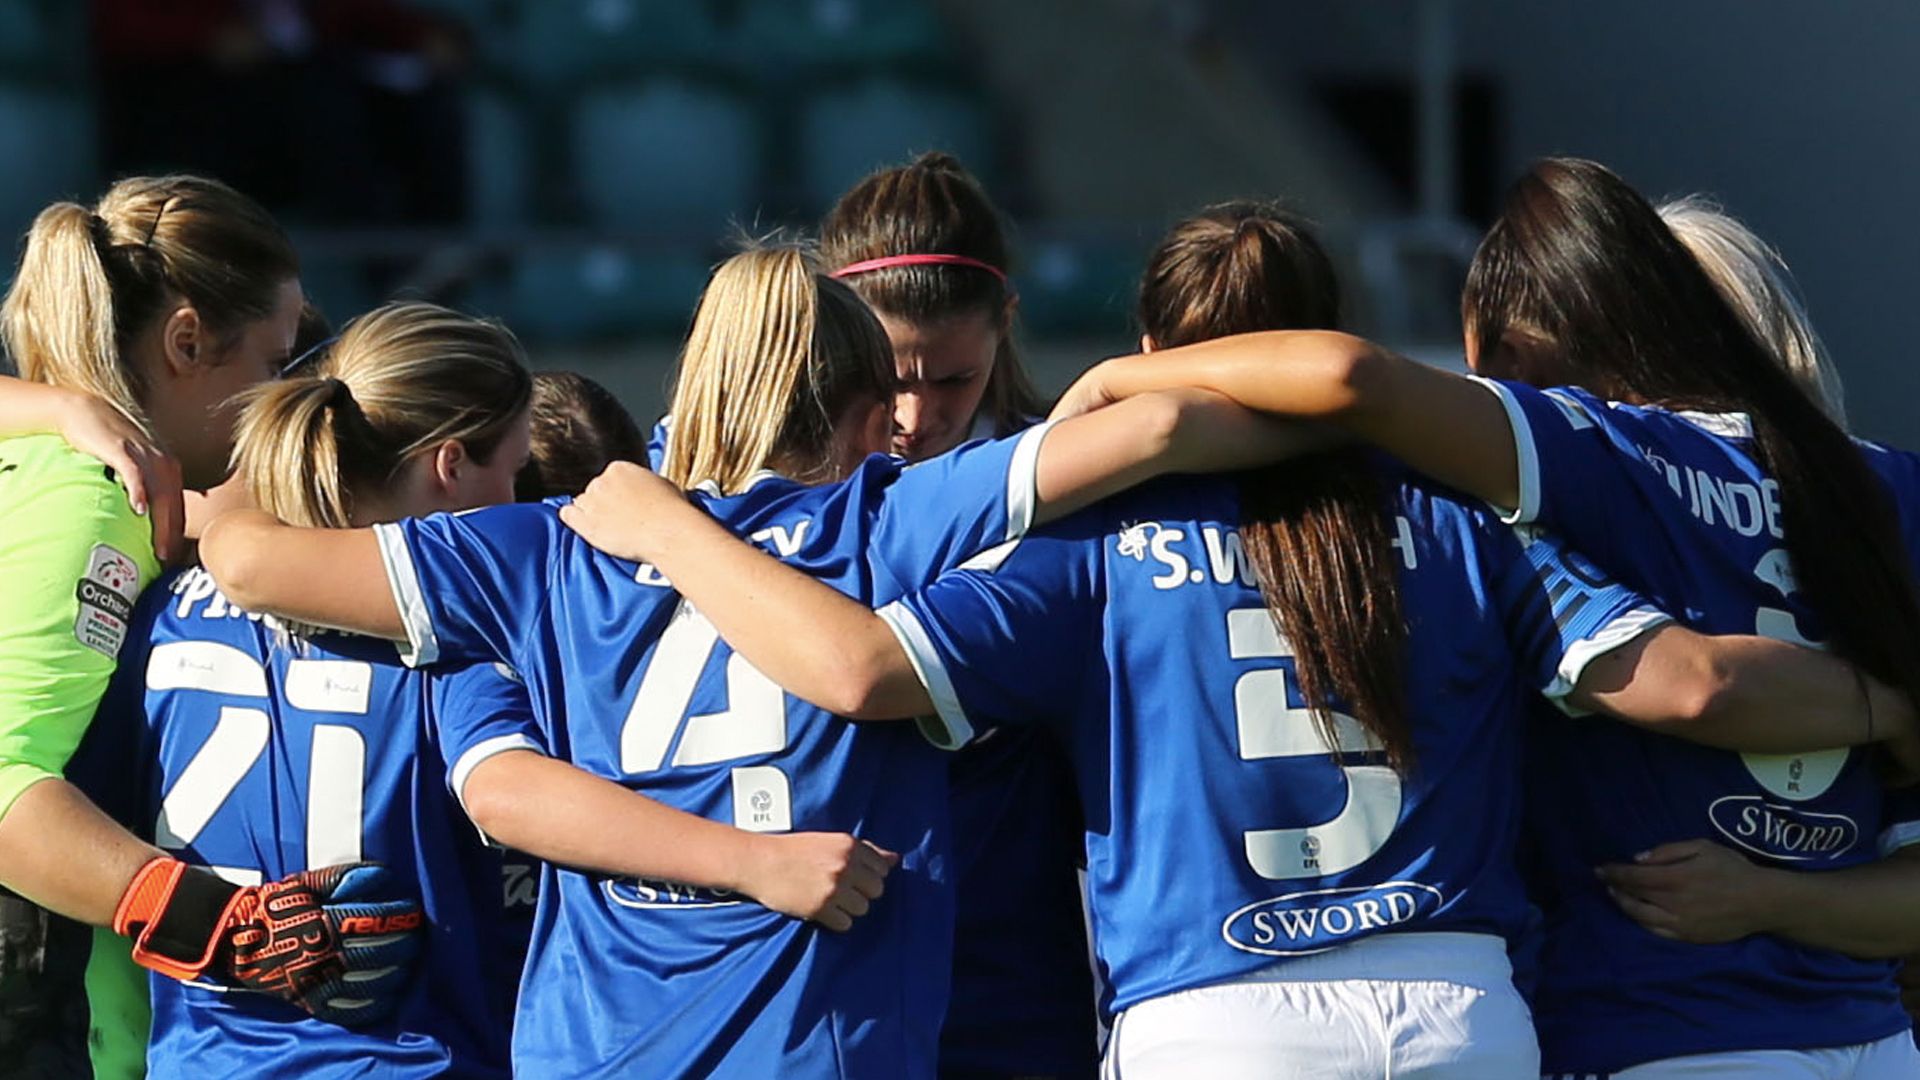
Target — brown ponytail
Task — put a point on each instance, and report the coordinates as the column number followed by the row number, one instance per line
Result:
column 1580, row 260
column 1315, row 530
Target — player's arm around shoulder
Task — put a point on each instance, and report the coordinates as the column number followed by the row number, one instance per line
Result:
column 326, row 577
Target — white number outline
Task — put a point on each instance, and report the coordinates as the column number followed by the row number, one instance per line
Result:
column 753, row 724
column 336, row 768
column 1798, row 777
column 1268, row 726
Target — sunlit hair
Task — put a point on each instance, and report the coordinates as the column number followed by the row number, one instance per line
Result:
column 777, row 353
column 1755, row 281
column 1315, row 530
column 402, row 379
column 579, row 428
column 1582, row 264
column 92, row 279
column 933, row 206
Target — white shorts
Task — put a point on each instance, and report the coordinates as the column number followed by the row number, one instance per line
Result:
column 1891, row 1058
column 1362, row 1011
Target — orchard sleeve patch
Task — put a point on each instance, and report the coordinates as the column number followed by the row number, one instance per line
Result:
column 106, row 594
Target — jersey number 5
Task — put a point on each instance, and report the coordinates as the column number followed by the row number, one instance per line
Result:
column 1271, row 726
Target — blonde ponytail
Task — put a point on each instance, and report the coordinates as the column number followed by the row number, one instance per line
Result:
column 90, row 281
column 58, row 318
column 776, row 353
column 402, row 379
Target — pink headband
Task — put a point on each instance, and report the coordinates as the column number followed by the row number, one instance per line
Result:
column 919, row 260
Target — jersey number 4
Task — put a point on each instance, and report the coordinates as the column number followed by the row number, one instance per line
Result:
column 1271, row 726
column 754, row 723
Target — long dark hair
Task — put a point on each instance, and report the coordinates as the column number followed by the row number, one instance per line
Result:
column 1315, row 530
column 933, row 206
column 1581, row 262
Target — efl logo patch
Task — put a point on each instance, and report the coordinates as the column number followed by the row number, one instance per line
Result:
column 106, row 595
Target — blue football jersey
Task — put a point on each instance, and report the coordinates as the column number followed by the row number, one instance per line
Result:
column 657, row 441
column 655, row 979
column 1222, row 834
column 1673, row 504
column 256, row 755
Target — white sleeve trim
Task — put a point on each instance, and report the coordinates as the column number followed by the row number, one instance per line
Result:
column 422, row 647
column 1898, row 835
column 1524, row 454
column 1023, row 481
column 949, row 728
column 477, row 753
column 1588, row 649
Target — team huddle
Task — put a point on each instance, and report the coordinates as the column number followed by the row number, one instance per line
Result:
column 1273, row 705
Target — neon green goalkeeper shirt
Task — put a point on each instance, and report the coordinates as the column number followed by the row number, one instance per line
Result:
column 73, row 558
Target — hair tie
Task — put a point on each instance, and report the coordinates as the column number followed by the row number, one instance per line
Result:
column 918, row 260
column 339, row 394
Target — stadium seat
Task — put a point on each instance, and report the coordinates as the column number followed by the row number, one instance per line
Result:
column 46, row 151
column 582, row 292
column 498, row 157
column 862, row 34
column 846, row 133
column 567, row 41
column 667, row 158
column 1078, row 286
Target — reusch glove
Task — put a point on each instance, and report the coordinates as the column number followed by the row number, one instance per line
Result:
column 336, row 942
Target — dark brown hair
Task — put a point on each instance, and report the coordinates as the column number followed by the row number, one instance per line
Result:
column 579, row 428
column 1316, row 529
column 1580, row 261
column 933, row 206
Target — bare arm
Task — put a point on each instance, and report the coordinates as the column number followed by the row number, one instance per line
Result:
column 1436, row 421
column 1089, row 457
column 61, row 852
column 99, row 430
column 1740, row 692
column 1701, row 892
column 814, row 642
column 537, row 804
column 266, row 566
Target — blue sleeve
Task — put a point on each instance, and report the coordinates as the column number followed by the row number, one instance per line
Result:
column 1560, row 610
column 470, row 585
column 1573, row 463
column 657, row 442
column 480, row 710
column 940, row 512
column 111, row 764
column 1013, row 635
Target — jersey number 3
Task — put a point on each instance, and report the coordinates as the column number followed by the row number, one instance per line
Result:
column 1271, row 726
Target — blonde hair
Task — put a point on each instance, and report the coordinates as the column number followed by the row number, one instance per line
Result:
column 777, row 352
column 1754, row 280
column 91, row 280
column 401, row 379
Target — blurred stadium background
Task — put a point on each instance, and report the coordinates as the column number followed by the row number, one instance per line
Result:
column 575, row 166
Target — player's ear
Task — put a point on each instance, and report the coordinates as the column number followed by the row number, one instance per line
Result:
column 450, row 463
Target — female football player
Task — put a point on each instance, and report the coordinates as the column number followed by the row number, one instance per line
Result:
column 1294, row 703
column 162, row 301
column 923, row 245
column 1684, row 458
